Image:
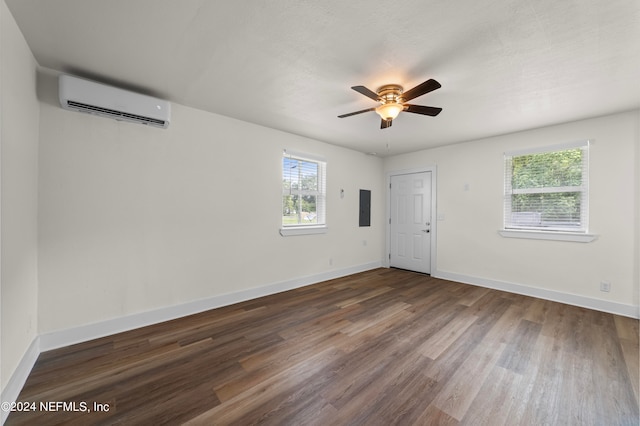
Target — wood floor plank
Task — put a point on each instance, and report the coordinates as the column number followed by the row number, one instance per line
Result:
column 458, row 394
column 473, row 296
column 365, row 400
column 406, row 400
column 537, row 311
column 498, row 400
column 383, row 316
column 381, row 347
column 432, row 415
column 365, row 296
column 546, row 383
column 629, row 335
column 435, row 345
column 517, row 353
column 275, row 386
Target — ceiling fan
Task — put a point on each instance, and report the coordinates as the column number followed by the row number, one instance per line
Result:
column 392, row 98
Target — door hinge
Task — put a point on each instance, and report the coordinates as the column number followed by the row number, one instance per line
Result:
column 389, row 221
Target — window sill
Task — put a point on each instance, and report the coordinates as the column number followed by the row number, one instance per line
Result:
column 303, row 230
column 548, row 235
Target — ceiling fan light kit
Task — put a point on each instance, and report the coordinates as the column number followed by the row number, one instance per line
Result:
column 389, row 111
column 392, row 100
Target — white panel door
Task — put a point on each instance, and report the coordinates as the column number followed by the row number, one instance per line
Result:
column 410, row 222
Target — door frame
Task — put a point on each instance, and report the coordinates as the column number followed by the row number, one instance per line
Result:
column 434, row 216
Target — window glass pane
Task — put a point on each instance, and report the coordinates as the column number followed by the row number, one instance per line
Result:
column 546, row 210
column 289, row 209
column 308, row 176
column 549, row 169
column 289, row 173
column 308, row 208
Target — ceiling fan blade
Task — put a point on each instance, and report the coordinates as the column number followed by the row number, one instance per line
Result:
column 368, row 93
column 357, row 112
column 385, row 123
column 424, row 110
column 426, row 87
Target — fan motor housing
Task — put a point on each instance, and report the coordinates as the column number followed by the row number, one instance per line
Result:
column 390, row 93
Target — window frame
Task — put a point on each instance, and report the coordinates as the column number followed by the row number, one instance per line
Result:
column 320, row 227
column 562, row 233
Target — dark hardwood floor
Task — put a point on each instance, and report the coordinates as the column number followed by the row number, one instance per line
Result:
column 377, row 348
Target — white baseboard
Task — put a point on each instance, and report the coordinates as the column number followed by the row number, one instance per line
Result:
column 632, row 311
column 19, row 377
column 61, row 338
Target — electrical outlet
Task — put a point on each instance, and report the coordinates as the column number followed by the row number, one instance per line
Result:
column 605, row 286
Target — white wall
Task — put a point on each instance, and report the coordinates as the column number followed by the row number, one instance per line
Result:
column 468, row 243
column 19, row 110
column 134, row 219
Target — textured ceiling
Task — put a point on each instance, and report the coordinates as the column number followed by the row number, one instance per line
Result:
column 504, row 65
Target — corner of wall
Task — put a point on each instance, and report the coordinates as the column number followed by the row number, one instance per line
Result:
column 19, row 138
column 636, row 272
column 19, row 377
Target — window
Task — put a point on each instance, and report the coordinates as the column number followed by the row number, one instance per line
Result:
column 303, row 194
column 547, row 189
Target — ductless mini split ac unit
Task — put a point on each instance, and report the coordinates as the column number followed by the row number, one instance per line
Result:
column 82, row 95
